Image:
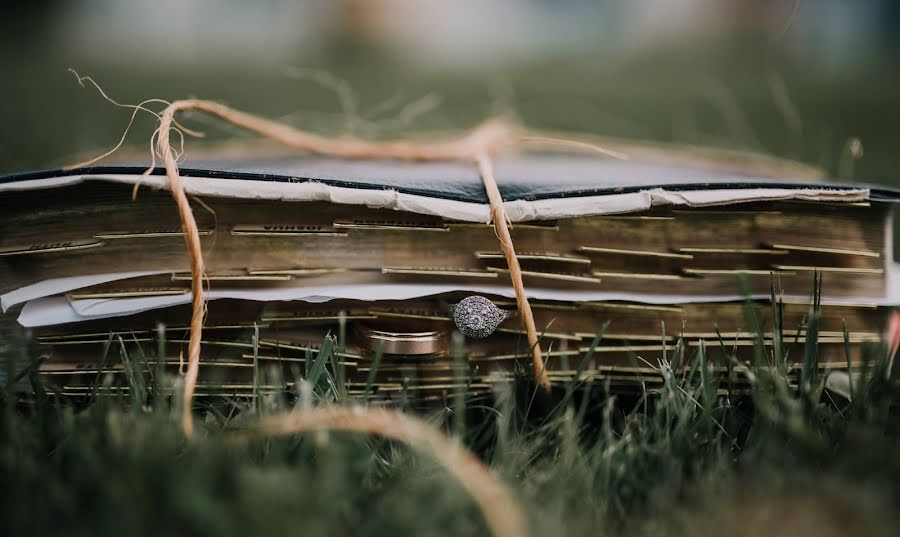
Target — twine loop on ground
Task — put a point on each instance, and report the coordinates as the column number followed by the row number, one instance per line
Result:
column 502, row 514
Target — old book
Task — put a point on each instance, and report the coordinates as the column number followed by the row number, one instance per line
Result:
column 296, row 248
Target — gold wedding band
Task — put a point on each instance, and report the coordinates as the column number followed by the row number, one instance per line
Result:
column 403, row 343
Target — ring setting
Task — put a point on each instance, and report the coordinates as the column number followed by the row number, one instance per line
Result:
column 477, row 317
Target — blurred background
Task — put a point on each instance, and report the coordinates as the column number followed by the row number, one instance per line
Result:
column 813, row 80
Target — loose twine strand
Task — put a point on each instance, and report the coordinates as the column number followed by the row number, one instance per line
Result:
column 501, row 513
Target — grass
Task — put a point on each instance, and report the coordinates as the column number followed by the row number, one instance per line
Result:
column 695, row 458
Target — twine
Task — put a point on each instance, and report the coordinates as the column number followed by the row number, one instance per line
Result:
column 501, row 513
column 478, row 147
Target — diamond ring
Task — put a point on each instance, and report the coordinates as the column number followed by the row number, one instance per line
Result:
column 477, row 317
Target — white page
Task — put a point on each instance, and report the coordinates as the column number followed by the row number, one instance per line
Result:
column 57, row 310
column 57, row 286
